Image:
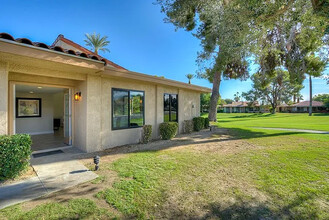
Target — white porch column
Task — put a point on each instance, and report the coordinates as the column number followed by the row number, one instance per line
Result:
column 3, row 98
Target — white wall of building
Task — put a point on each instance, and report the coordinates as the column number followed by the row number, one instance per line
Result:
column 52, row 106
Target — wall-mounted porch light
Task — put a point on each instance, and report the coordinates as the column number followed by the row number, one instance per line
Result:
column 77, row 96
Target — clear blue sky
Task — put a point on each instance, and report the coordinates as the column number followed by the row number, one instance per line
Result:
column 140, row 40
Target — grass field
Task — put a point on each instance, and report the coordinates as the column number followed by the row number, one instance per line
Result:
column 279, row 120
column 242, row 173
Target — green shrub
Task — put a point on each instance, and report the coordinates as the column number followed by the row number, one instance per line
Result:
column 15, row 153
column 168, row 130
column 198, row 123
column 147, row 134
column 188, row 126
column 206, row 122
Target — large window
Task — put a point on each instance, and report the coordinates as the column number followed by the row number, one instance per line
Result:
column 127, row 109
column 170, row 107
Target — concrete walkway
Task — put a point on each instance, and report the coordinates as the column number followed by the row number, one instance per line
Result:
column 54, row 173
column 297, row 130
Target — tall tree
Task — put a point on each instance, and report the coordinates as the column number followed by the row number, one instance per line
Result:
column 97, row 43
column 321, row 98
column 232, row 30
column 292, row 41
column 189, row 77
column 221, row 28
column 273, row 90
column 324, row 98
column 237, row 97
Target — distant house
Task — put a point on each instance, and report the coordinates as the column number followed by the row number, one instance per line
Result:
column 302, row 107
column 243, row 107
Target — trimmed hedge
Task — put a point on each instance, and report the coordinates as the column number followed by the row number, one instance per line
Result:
column 15, row 153
column 198, row 123
column 206, row 123
column 188, row 126
column 168, row 130
column 147, row 134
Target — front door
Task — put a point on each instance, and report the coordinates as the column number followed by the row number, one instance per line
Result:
column 68, row 117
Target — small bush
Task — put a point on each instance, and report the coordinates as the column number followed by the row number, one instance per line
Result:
column 188, row 126
column 168, row 130
column 198, row 123
column 206, row 122
column 147, row 134
column 15, row 153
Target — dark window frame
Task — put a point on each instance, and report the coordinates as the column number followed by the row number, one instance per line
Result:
column 170, row 94
column 112, row 108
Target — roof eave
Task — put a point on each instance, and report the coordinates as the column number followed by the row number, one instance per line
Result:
column 13, row 47
column 111, row 71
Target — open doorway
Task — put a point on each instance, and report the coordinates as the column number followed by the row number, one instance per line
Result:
column 44, row 112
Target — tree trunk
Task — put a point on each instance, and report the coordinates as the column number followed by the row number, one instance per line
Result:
column 310, row 108
column 214, row 96
column 273, row 108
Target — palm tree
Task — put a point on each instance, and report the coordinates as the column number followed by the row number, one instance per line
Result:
column 97, row 42
column 311, row 97
column 237, row 97
column 189, row 76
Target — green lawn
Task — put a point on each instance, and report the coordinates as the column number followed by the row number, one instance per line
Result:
column 278, row 120
column 254, row 174
column 74, row 209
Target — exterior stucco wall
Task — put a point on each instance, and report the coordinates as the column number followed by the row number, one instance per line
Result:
column 50, row 79
column 99, row 129
column 3, row 98
column 94, row 103
column 66, row 46
column 125, row 136
column 188, row 106
column 92, row 130
column 79, row 119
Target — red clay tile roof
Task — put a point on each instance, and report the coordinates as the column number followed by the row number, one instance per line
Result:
column 307, row 104
column 84, row 50
column 55, row 48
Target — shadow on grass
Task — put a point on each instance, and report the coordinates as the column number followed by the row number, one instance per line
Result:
column 255, row 115
column 245, row 118
column 239, row 133
column 321, row 114
column 247, row 209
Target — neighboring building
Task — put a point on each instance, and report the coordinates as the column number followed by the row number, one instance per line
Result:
column 243, row 107
column 91, row 102
column 303, row 107
column 282, row 108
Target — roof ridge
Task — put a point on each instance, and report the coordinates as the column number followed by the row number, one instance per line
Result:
column 85, row 50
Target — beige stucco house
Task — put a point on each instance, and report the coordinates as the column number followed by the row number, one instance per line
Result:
column 64, row 93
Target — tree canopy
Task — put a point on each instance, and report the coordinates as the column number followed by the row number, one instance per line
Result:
column 280, row 33
column 322, row 98
column 97, row 43
column 272, row 90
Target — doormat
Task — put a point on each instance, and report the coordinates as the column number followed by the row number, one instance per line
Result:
column 47, row 153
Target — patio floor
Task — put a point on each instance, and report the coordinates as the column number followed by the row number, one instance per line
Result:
column 48, row 141
column 54, row 173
